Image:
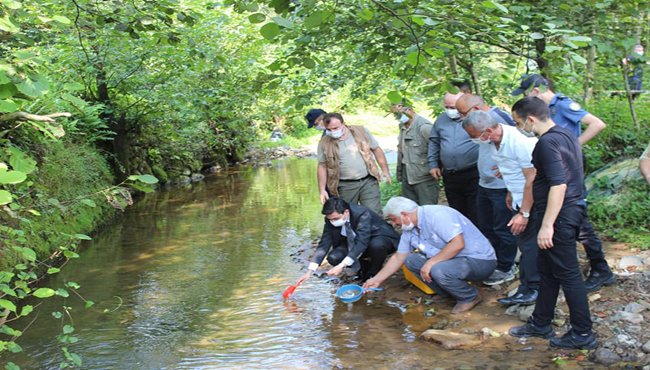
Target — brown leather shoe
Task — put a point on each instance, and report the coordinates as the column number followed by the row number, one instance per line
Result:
column 440, row 299
column 464, row 307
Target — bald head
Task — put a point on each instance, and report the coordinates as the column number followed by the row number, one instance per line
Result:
column 450, row 100
column 468, row 103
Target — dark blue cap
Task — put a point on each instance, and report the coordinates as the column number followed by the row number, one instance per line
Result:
column 529, row 82
column 312, row 115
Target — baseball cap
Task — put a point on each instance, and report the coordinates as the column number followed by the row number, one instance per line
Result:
column 312, row 115
column 529, row 81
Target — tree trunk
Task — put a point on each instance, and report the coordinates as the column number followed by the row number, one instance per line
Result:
column 630, row 98
column 453, row 65
column 589, row 75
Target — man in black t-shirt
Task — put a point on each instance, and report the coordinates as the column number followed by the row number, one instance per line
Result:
column 558, row 193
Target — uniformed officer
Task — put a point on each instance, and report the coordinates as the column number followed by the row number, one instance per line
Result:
column 568, row 114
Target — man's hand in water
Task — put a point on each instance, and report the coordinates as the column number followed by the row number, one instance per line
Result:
column 371, row 283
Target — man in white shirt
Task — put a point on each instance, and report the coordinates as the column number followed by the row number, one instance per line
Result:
column 512, row 152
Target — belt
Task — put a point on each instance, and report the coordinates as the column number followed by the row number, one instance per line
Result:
column 452, row 172
column 361, row 179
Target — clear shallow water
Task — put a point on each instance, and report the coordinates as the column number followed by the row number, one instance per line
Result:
column 192, row 277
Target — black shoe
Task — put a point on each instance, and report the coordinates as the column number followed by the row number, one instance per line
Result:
column 575, row 341
column 531, row 330
column 525, row 299
column 597, row 279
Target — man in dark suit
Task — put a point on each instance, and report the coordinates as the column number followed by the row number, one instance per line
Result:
column 354, row 237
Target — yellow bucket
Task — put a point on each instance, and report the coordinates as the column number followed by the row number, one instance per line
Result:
column 415, row 281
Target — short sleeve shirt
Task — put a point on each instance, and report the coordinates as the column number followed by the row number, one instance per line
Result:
column 438, row 225
column 558, row 160
column 351, row 165
column 515, row 152
column 567, row 113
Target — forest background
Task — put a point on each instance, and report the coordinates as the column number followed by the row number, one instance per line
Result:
column 99, row 95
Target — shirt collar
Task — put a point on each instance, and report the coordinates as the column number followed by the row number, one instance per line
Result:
column 555, row 98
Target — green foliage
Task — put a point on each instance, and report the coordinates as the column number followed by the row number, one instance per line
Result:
column 389, row 191
column 626, row 216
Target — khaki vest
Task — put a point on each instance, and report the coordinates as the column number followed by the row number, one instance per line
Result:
column 331, row 150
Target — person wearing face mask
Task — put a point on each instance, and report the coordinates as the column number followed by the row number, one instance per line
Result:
column 559, row 202
column 315, row 119
column 450, row 146
column 353, row 236
column 492, row 210
column 451, row 251
column 512, row 153
column 412, row 146
column 568, row 114
column 346, row 164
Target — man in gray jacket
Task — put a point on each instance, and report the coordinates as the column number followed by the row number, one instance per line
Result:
column 412, row 167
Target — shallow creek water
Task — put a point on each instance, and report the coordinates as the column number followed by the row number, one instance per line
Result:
column 192, row 278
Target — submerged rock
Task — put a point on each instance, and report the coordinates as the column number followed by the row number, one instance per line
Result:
column 450, row 340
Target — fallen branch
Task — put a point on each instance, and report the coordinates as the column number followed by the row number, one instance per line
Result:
column 24, row 116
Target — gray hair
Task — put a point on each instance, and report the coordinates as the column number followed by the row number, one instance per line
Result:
column 396, row 205
column 480, row 121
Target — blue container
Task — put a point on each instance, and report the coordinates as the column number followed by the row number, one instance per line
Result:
column 352, row 287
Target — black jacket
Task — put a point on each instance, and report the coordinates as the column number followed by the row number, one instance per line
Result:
column 365, row 223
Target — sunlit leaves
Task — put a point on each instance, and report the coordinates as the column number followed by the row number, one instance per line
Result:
column 257, row 18
column 394, row 97
column 34, row 85
column 270, row 30
column 20, row 161
column 44, row 292
column 314, row 19
column 8, row 305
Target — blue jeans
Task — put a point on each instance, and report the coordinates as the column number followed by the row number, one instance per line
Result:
column 451, row 277
column 493, row 217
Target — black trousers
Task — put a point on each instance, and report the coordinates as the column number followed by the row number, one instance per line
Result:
column 461, row 188
column 558, row 266
column 593, row 246
column 372, row 259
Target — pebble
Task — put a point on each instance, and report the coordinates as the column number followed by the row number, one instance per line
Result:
column 635, row 307
column 634, row 318
column 605, row 357
column 594, row 297
column 628, row 261
column 646, row 347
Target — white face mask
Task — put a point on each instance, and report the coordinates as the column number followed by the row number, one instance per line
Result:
column 335, row 134
column 319, row 128
column 403, row 118
column 479, row 141
column 452, row 113
column 410, row 226
column 527, row 134
column 340, row 222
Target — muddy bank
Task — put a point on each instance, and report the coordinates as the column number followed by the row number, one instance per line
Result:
column 620, row 312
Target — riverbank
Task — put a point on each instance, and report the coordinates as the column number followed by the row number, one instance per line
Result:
column 621, row 313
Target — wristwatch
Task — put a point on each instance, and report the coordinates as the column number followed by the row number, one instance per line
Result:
column 525, row 214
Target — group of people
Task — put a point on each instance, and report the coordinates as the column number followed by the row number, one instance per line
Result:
column 511, row 182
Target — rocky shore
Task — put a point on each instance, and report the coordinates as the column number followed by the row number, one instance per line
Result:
column 620, row 313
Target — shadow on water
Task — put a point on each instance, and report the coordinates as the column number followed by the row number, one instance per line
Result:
column 191, row 278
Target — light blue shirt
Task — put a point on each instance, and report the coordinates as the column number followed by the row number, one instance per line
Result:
column 438, row 226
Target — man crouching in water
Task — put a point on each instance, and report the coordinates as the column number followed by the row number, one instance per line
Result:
column 440, row 246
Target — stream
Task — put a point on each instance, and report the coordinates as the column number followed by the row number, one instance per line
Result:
column 191, row 277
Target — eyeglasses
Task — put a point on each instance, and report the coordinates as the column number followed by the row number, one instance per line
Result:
column 463, row 114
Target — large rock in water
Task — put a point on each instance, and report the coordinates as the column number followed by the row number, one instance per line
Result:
column 451, row 340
